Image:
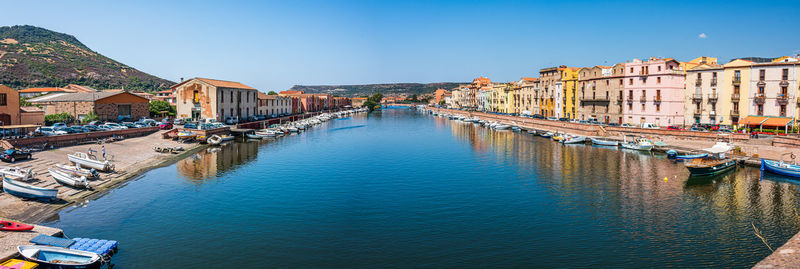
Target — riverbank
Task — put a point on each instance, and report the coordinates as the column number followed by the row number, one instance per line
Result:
column 685, row 141
column 131, row 157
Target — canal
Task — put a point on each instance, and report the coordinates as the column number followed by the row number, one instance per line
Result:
column 402, row 189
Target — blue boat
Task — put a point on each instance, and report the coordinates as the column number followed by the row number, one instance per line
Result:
column 61, row 258
column 691, row 156
column 780, row 168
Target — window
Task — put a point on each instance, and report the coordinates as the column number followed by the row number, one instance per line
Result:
column 642, row 107
column 196, row 97
column 607, row 82
column 221, row 97
column 698, row 76
column 784, row 91
column 630, row 82
column 714, row 75
column 760, row 109
column 658, row 80
column 124, row 110
column 736, row 107
column 659, row 68
column 761, row 74
column 785, row 75
column 658, row 107
column 620, row 82
column 760, row 90
column 631, row 69
column 3, row 99
column 737, row 75
column 783, row 110
column 231, row 100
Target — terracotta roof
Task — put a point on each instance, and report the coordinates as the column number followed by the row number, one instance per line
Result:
column 291, row 92
column 52, row 89
column 165, row 91
column 76, row 97
column 265, row 96
column 31, row 109
column 79, row 88
column 218, row 83
column 530, row 79
column 777, row 122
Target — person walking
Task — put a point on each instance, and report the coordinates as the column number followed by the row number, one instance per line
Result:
column 103, row 147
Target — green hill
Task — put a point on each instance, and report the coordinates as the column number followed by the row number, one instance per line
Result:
column 36, row 57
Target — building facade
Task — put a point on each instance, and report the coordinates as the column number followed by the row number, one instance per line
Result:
column 600, row 92
column 774, row 88
column 736, row 88
column 109, row 106
column 550, row 93
column 269, row 105
column 702, row 104
column 527, row 102
column 654, row 92
column 203, row 98
column 569, row 82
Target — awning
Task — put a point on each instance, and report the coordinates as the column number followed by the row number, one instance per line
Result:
column 777, row 122
column 752, row 120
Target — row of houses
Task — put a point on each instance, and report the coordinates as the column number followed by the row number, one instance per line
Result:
column 204, row 98
column 661, row 91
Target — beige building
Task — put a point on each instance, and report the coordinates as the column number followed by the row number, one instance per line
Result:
column 600, row 93
column 735, row 89
column 203, row 98
column 526, row 104
column 274, row 104
column 702, row 104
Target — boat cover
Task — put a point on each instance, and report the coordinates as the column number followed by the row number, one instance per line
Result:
column 52, row 241
column 718, row 148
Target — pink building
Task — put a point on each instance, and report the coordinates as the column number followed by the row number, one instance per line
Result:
column 653, row 92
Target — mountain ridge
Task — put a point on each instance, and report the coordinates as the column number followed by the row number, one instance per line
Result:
column 385, row 88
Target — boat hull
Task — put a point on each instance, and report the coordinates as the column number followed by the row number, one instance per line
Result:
column 775, row 167
column 69, row 179
column 49, row 257
column 14, row 226
column 86, row 163
column 604, row 142
column 23, row 190
column 711, row 170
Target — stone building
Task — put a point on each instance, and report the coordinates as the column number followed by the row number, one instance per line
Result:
column 702, row 96
column 274, row 104
column 600, row 92
column 109, row 106
column 9, row 106
column 203, row 98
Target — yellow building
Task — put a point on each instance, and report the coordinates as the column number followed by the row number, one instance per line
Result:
column 549, row 91
column 736, row 85
column 569, row 82
column 499, row 97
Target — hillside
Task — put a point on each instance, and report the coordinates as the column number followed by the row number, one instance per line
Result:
column 36, row 57
column 386, row 89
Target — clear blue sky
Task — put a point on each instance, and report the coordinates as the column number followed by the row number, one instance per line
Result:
column 274, row 45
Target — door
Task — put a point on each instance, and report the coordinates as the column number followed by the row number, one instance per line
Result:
column 5, row 119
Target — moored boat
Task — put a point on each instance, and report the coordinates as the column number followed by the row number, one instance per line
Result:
column 186, row 135
column 17, row 173
column 502, row 127
column 546, row 134
column 69, row 179
column 574, row 140
column 254, row 136
column 24, row 190
column 637, row 143
column 691, row 156
column 715, row 163
column 61, row 258
column 75, row 170
column 781, row 168
column 601, row 142
column 90, row 161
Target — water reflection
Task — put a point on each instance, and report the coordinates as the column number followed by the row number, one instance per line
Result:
column 212, row 162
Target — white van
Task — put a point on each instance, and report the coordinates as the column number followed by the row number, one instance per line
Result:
column 648, row 126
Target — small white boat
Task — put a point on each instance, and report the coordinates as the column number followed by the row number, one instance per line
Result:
column 21, row 189
column 574, row 140
column 90, row 161
column 69, row 179
column 601, row 142
column 533, row 132
column 214, row 140
column 502, row 127
column 254, row 136
column 293, row 129
column 185, row 135
column 640, row 144
column 75, row 170
column 17, row 173
column 516, row 128
column 61, row 258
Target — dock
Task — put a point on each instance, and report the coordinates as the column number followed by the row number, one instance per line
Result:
column 10, row 240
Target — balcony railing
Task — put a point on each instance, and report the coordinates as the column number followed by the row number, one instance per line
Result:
column 630, row 100
column 657, row 99
column 734, row 113
column 712, row 97
column 643, row 99
column 737, row 81
column 698, row 113
column 698, row 82
column 784, row 83
column 759, row 98
column 713, row 82
column 697, row 97
column 735, row 97
column 761, row 83
column 782, row 99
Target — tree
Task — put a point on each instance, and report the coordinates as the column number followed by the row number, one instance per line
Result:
column 60, row 117
column 374, row 102
column 90, row 117
column 442, row 102
column 158, row 106
column 272, row 93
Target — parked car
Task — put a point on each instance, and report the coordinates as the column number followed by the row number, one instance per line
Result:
column 179, row 121
column 626, row 125
column 613, row 124
column 584, row 122
column 104, row 128
column 59, row 125
column 563, row 119
column 190, row 125
column 148, row 122
column 12, row 155
column 648, row 126
column 165, row 125
column 552, row 118
column 95, row 123
column 140, row 125
column 676, row 128
column 538, row 116
column 115, row 126
column 231, row 120
column 77, row 129
column 91, row 128
column 698, row 129
column 48, row 131
column 596, row 123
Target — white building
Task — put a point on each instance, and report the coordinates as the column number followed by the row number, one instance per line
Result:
column 203, row 98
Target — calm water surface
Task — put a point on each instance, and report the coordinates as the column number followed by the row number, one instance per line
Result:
column 400, row 189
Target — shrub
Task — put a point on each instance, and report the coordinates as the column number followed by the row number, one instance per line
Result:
column 60, row 117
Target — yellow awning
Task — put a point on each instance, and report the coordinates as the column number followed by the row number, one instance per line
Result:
column 777, row 122
column 752, row 120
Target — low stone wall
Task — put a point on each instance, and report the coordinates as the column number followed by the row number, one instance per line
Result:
column 595, row 130
column 208, row 132
column 786, row 141
column 74, row 139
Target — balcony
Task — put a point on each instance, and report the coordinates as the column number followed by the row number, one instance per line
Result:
column 734, row 113
column 761, row 83
column 712, row 97
column 784, row 83
column 735, row 97
column 737, row 81
column 759, row 99
column 782, row 99
column 630, row 100
column 697, row 97
column 713, row 82
column 643, row 99
column 657, row 100
column 698, row 82
column 697, row 113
